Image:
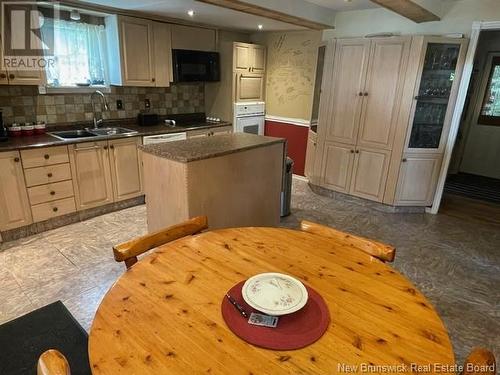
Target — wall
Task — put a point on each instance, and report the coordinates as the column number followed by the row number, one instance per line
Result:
column 481, row 151
column 22, row 104
column 219, row 95
column 458, row 19
column 291, row 61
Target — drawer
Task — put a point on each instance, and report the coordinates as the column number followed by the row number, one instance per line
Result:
column 46, row 175
column 45, row 211
column 39, row 157
column 222, row 130
column 50, row 192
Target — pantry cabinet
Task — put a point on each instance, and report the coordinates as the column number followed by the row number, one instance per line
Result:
column 14, row 204
column 369, row 173
column 310, row 154
column 338, row 160
column 249, row 65
column 249, row 87
column 143, row 50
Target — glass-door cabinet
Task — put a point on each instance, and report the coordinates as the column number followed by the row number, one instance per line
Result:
column 435, row 93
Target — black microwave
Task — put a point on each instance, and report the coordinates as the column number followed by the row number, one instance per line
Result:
column 195, row 66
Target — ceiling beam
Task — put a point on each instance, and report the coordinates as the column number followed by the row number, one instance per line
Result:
column 409, row 9
column 276, row 15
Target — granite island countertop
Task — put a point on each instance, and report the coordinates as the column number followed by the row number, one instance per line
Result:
column 194, row 149
column 47, row 140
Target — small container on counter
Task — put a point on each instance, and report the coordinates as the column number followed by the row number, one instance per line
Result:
column 28, row 129
column 14, row 130
column 40, row 127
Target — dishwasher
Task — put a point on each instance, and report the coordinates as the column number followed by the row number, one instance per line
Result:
column 160, row 138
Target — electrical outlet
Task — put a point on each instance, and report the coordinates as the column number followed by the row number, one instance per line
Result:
column 119, row 104
column 147, row 103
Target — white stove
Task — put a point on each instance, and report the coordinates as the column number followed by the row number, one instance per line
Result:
column 249, row 117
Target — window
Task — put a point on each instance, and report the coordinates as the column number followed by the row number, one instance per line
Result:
column 79, row 53
column 490, row 109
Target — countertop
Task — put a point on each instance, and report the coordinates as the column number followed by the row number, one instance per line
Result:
column 209, row 147
column 45, row 140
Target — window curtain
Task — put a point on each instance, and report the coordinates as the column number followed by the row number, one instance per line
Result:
column 79, row 51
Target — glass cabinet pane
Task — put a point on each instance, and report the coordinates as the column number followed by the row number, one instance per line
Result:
column 433, row 96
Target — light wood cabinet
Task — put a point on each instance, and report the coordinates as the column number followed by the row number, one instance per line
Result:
column 126, row 174
column 25, row 77
column 250, row 58
column 194, row 38
column 249, row 87
column 342, row 117
column 310, row 154
column 142, row 48
column 14, row 205
column 417, row 179
column 91, row 173
column 337, row 166
column 39, row 157
column 49, row 210
column 382, row 92
column 370, row 173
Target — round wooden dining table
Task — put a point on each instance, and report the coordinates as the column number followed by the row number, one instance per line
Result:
column 163, row 315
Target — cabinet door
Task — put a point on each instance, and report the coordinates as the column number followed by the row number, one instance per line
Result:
column 14, row 205
column 382, row 92
column 351, row 58
column 337, row 166
column 126, row 166
column 258, row 59
column 369, row 173
column 249, row 87
column 162, row 54
column 22, row 77
column 310, row 154
column 242, row 57
column 417, row 179
column 91, row 174
column 193, row 38
column 136, row 37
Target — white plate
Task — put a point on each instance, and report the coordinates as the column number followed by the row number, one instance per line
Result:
column 274, row 293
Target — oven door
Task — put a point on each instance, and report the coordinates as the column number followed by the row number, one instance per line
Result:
column 252, row 125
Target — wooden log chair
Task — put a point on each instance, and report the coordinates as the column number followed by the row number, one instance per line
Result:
column 480, row 362
column 379, row 250
column 128, row 251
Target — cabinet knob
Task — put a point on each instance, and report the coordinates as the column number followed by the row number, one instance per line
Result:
column 314, row 143
column 365, row 94
column 357, row 151
column 46, row 156
column 49, row 175
column 112, row 147
column 249, row 69
column 360, row 94
column 152, row 79
column 52, row 193
column 16, row 159
column 55, row 209
column 404, row 160
column 105, row 147
column 12, row 76
column 352, row 151
column 3, row 75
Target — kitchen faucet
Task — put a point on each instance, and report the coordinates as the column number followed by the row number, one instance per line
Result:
column 104, row 103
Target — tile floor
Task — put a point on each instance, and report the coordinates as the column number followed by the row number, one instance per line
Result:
column 455, row 262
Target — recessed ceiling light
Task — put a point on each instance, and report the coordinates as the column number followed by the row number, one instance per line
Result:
column 260, row 27
column 191, row 13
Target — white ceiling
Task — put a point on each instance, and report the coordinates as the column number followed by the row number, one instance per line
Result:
column 342, row 5
column 221, row 17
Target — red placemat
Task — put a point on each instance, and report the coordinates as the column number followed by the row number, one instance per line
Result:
column 294, row 331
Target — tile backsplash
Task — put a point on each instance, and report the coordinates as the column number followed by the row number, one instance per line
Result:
column 22, row 104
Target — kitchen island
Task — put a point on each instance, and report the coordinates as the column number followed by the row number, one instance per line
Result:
column 233, row 179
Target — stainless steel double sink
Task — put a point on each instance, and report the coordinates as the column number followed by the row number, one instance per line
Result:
column 91, row 133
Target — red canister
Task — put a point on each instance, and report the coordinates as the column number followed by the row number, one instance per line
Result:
column 27, row 129
column 14, row 130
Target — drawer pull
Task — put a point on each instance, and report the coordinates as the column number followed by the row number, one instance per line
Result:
column 3, row 75
column 12, row 76
column 16, row 159
column 46, row 156
column 49, row 175
column 55, row 209
column 111, row 147
column 52, row 193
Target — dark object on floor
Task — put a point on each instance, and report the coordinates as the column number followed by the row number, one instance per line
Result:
column 24, row 339
column 472, row 186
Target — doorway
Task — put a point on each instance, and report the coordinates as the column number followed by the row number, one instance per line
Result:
column 474, row 171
